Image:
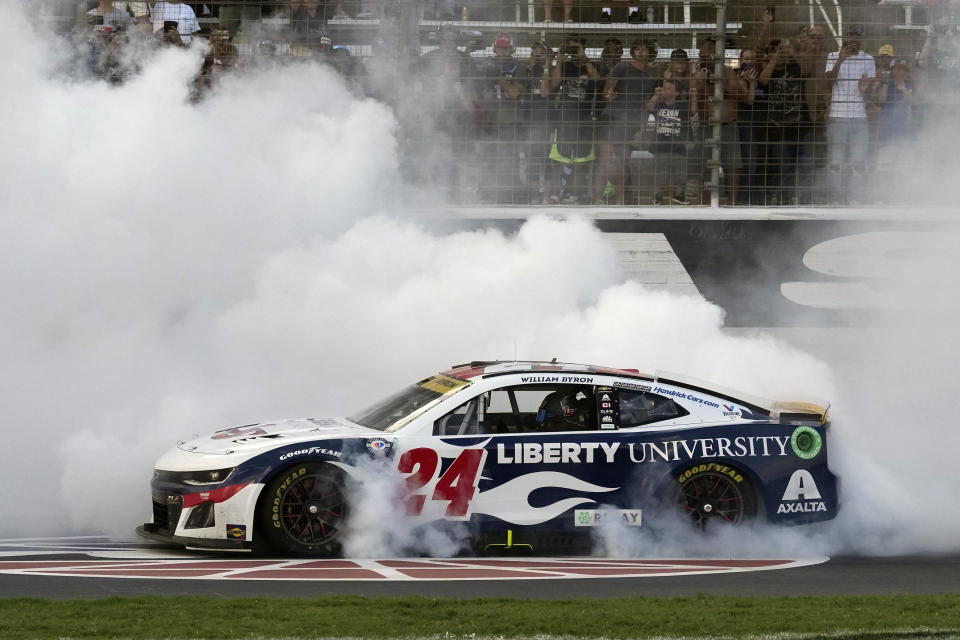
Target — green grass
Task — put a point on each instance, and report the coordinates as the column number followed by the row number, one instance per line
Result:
column 210, row 618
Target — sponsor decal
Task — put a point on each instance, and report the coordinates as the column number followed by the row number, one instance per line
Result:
column 666, row 451
column 443, row 384
column 561, row 379
column 801, row 495
column 311, row 451
column 686, row 396
column 250, row 431
column 556, row 452
column 323, row 422
column 607, row 419
column 378, row 445
column 730, row 410
column 710, row 466
column 174, row 499
column 634, row 387
column 801, row 507
column 596, row 517
column 739, row 447
column 237, row 531
column 279, row 494
column 806, row 442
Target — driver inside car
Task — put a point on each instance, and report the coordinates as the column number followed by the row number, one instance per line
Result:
column 571, row 409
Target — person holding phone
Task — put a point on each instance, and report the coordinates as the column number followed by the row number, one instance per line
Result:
column 182, row 14
column 575, row 82
column 851, row 72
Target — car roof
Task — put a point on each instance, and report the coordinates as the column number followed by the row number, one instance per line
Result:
column 480, row 369
column 488, row 368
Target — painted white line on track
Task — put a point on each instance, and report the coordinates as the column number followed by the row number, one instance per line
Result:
column 402, row 569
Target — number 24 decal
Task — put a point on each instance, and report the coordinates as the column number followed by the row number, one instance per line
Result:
column 457, row 484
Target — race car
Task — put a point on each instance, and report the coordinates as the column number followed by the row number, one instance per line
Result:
column 531, row 454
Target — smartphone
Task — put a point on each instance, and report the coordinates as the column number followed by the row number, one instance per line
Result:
column 572, row 50
column 170, row 25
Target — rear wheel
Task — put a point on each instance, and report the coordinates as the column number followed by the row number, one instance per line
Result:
column 712, row 494
column 304, row 510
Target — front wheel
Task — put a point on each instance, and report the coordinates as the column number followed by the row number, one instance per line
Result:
column 304, row 510
column 715, row 494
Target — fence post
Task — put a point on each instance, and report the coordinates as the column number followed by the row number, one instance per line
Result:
column 717, row 111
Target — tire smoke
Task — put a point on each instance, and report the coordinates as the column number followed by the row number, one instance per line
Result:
column 180, row 268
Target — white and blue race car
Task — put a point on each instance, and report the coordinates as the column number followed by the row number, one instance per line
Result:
column 532, row 452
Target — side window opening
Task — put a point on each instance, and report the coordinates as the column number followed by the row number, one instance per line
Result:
column 462, row 421
column 523, row 409
column 640, row 407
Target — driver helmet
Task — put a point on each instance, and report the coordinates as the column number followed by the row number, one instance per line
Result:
column 568, row 408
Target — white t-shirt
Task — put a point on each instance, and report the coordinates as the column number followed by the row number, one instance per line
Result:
column 183, row 14
column 118, row 15
column 138, row 9
column 847, row 100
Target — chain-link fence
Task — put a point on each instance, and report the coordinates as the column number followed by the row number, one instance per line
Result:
column 814, row 102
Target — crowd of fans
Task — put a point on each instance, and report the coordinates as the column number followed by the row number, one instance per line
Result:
column 802, row 121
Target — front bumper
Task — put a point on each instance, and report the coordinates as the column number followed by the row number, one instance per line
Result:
column 218, row 517
column 153, row 532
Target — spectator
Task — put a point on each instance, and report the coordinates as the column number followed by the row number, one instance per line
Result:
column 884, row 59
column 752, row 128
column 851, row 73
column 810, row 49
column 109, row 58
column 342, row 61
column 940, row 61
column 678, row 70
column 574, row 81
column 139, row 12
column 502, row 96
column 175, row 11
column 610, row 56
column 539, row 117
column 108, row 13
column 221, row 58
column 789, row 136
column 169, row 36
column 628, row 88
column 672, row 117
column 702, row 111
column 896, row 99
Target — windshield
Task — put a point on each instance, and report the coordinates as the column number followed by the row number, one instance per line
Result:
column 393, row 412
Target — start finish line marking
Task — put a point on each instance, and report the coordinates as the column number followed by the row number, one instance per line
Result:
column 397, row 569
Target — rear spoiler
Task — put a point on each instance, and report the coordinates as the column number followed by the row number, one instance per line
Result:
column 801, row 411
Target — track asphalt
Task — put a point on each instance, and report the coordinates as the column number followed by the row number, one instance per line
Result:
column 24, row 571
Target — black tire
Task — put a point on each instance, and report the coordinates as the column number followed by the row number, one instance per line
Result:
column 711, row 493
column 303, row 511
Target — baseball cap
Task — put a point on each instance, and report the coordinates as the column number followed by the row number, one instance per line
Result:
column 503, row 40
column 886, row 50
column 679, row 54
column 854, row 30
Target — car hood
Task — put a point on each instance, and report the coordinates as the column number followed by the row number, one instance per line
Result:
column 239, row 443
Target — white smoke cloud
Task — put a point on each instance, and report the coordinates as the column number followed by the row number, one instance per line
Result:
column 181, row 268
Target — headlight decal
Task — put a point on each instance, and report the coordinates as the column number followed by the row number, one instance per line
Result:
column 216, row 495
